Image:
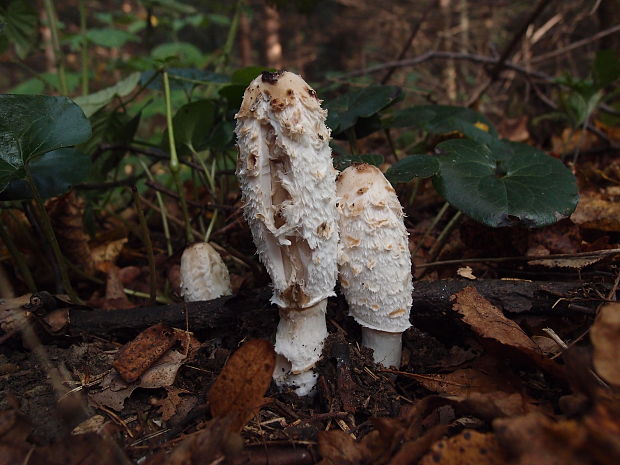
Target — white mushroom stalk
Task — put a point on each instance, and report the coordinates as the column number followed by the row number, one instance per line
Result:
column 204, row 275
column 374, row 260
column 289, row 194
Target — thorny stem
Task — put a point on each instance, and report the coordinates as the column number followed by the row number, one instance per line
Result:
column 18, row 258
column 84, row 47
column 52, row 20
column 48, row 230
column 162, row 207
column 174, row 160
column 146, row 237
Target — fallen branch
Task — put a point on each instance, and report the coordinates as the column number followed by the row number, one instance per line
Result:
column 254, row 313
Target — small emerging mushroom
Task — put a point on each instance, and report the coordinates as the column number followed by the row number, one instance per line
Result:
column 289, row 193
column 204, row 275
column 374, row 260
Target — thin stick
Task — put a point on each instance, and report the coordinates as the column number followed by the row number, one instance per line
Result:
column 52, row 20
column 146, row 238
column 174, row 160
column 84, row 47
column 414, row 32
column 523, row 258
column 574, row 45
column 18, row 258
column 501, row 62
column 438, row 217
column 162, row 207
column 444, row 235
column 48, row 231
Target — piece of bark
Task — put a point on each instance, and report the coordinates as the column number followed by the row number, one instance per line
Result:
column 431, row 299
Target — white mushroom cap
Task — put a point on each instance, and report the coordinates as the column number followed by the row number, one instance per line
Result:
column 204, row 275
column 288, row 185
column 374, row 258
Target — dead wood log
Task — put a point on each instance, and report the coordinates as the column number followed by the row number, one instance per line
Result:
column 250, row 313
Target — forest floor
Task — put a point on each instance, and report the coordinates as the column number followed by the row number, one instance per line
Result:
column 512, row 360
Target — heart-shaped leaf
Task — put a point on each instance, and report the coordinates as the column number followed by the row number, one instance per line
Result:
column 506, row 185
column 31, row 125
column 443, row 119
column 345, row 110
column 54, row 174
column 412, row 166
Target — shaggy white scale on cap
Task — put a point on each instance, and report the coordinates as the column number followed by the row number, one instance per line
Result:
column 289, row 191
column 204, row 275
column 374, row 259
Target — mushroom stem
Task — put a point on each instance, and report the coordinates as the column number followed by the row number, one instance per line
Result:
column 299, row 343
column 386, row 346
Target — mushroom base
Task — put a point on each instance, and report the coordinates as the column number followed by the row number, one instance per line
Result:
column 387, row 347
column 299, row 344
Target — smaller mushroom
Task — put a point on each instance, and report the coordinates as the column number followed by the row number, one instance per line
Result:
column 374, row 260
column 204, row 275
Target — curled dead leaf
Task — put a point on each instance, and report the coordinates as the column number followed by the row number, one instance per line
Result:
column 605, row 336
column 239, row 390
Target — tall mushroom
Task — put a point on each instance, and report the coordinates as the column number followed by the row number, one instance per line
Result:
column 374, row 260
column 289, row 194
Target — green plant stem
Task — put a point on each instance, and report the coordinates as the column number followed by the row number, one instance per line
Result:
column 162, row 207
column 436, row 220
column 443, row 236
column 84, row 47
column 352, row 138
column 146, row 238
column 48, row 230
column 52, row 20
column 211, row 225
column 174, row 159
column 388, row 136
column 230, row 38
column 415, row 187
column 18, row 258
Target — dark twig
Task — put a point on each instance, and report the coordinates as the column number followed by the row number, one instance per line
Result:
column 574, row 45
column 501, row 62
column 436, row 54
column 414, row 32
column 146, row 237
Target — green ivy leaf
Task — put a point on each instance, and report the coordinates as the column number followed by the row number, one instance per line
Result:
column 343, row 161
column 109, row 37
column 185, row 53
column 412, row 166
column 443, row 119
column 20, row 25
column 345, row 110
column 93, row 102
column 506, row 185
column 179, row 78
column 192, row 123
column 54, row 174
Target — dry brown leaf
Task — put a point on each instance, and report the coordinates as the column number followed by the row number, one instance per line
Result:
column 594, row 212
column 461, row 383
column 466, row 448
column 135, row 357
column 211, row 445
column 535, row 439
column 573, row 139
column 168, row 406
column 239, row 390
column 339, row 448
column 489, row 322
column 66, row 213
column 605, row 336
